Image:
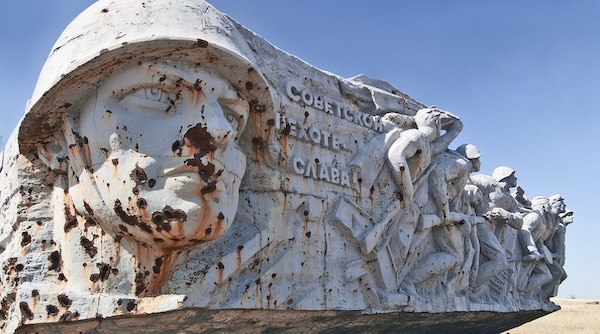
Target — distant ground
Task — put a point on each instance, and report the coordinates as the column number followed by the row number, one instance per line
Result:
column 579, row 316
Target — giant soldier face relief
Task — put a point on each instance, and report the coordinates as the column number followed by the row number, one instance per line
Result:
column 160, row 143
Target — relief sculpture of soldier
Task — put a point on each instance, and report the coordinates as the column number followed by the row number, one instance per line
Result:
column 141, row 137
column 166, row 191
column 541, row 270
column 410, row 160
column 451, row 231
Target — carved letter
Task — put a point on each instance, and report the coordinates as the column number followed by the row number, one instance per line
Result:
column 298, row 166
column 292, row 92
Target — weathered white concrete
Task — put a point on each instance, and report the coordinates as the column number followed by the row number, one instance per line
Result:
column 170, row 158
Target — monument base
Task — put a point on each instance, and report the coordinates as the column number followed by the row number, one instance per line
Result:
column 198, row 320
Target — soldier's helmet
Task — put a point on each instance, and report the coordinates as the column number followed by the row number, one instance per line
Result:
column 502, row 172
column 110, row 35
column 468, row 151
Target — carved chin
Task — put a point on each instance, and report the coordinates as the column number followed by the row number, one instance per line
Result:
column 159, row 220
column 183, row 225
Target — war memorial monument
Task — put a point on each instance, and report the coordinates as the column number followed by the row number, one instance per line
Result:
column 175, row 172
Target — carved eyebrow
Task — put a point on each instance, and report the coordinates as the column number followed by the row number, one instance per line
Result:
column 138, row 86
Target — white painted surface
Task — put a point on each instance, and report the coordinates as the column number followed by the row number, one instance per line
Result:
column 187, row 162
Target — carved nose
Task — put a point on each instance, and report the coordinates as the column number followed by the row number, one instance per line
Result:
column 212, row 130
column 217, row 124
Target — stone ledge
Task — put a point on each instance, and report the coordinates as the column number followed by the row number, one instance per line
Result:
column 197, row 320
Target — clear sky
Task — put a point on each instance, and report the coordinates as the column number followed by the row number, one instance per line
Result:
column 522, row 75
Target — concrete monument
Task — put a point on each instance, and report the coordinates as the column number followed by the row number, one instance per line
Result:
column 172, row 163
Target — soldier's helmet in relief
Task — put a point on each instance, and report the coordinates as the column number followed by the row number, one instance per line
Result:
column 112, row 34
column 468, row 151
column 502, row 172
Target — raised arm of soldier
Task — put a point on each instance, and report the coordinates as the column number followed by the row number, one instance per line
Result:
column 410, row 155
column 452, row 125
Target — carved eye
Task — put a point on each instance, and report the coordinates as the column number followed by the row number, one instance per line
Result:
column 147, row 99
column 234, row 107
column 234, row 120
column 153, row 93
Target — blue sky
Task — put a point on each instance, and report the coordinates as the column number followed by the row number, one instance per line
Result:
column 522, row 75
